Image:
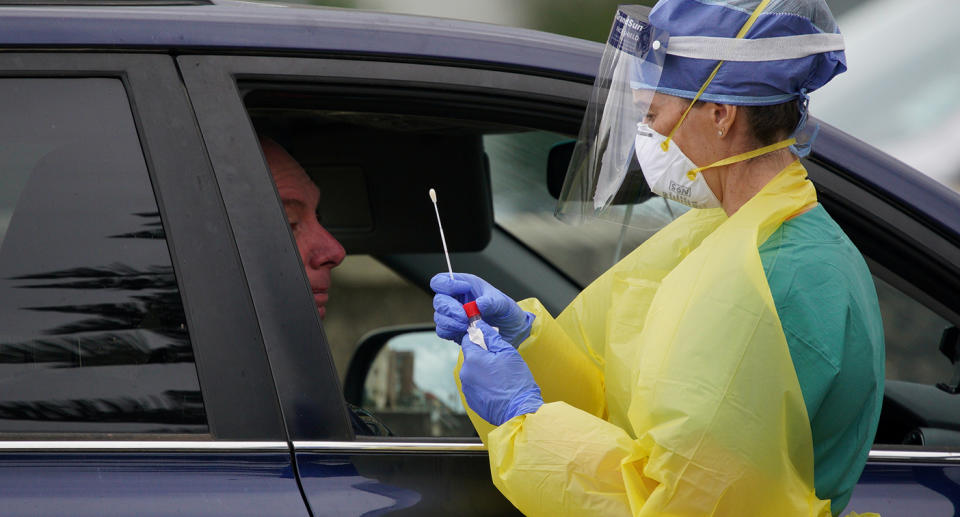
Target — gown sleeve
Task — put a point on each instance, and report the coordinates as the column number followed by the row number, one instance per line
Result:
column 590, row 460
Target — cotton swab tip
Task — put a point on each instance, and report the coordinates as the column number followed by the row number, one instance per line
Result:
column 433, row 195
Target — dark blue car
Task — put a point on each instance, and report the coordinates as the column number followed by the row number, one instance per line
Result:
column 160, row 350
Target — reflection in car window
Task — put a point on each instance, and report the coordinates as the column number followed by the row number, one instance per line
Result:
column 524, row 207
column 93, row 336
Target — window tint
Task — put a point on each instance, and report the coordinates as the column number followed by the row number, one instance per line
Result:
column 93, row 336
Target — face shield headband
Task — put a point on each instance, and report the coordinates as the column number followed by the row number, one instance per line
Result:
column 604, row 172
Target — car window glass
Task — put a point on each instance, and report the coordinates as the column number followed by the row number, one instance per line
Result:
column 93, row 336
column 912, row 333
column 524, row 207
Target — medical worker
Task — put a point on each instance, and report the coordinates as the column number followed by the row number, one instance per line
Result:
column 731, row 365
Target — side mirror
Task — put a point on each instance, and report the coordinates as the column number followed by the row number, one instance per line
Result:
column 404, row 376
column 634, row 189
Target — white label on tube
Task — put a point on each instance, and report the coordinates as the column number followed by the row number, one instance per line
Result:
column 476, row 336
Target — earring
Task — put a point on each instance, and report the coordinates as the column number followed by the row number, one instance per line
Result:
column 720, row 133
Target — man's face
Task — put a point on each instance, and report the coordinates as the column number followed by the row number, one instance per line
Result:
column 319, row 251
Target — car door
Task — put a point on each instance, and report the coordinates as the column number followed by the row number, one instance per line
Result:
column 422, row 474
column 134, row 379
column 524, row 253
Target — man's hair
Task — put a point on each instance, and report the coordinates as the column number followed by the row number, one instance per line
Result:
column 771, row 124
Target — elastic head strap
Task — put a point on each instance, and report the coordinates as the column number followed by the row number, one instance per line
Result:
column 803, row 149
column 743, row 32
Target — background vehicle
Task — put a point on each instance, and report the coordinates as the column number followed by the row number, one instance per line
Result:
column 159, row 348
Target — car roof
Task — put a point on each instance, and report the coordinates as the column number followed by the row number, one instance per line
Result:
column 229, row 24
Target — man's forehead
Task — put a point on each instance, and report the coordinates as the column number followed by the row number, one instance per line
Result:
column 294, row 185
column 292, row 181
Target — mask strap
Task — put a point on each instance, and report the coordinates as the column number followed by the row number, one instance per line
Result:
column 743, row 32
column 665, row 145
column 692, row 174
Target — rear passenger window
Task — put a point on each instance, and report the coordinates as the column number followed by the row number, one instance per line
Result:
column 93, row 337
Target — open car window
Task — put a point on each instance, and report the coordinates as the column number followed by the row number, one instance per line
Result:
column 373, row 294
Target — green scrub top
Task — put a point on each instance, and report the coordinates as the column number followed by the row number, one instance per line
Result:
column 828, row 308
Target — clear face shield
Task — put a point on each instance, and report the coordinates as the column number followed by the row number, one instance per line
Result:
column 604, row 175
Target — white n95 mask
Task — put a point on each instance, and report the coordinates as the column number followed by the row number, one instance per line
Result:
column 668, row 171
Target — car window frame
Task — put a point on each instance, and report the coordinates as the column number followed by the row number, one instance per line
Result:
column 235, row 380
column 308, row 372
column 827, row 172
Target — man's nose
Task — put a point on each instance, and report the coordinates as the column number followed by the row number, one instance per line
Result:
column 324, row 250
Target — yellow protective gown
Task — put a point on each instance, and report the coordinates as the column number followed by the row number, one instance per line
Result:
column 668, row 385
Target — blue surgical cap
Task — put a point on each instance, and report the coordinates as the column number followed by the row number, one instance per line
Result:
column 746, row 83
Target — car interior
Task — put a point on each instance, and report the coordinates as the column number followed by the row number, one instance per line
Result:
column 374, row 161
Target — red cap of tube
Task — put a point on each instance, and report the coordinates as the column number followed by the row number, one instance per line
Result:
column 471, row 309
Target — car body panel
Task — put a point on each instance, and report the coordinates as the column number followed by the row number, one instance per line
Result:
column 90, row 480
column 909, row 487
column 435, row 479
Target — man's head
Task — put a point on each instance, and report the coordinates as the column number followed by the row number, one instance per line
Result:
column 319, row 251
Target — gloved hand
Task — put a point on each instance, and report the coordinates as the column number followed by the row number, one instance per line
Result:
column 496, row 382
column 496, row 308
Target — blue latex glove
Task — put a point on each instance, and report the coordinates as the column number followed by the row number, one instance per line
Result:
column 496, row 382
column 496, row 308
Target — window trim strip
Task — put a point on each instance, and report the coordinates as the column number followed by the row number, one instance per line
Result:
column 950, row 457
column 94, row 445
column 899, row 456
column 388, row 446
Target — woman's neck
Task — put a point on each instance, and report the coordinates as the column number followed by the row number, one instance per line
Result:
column 736, row 184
